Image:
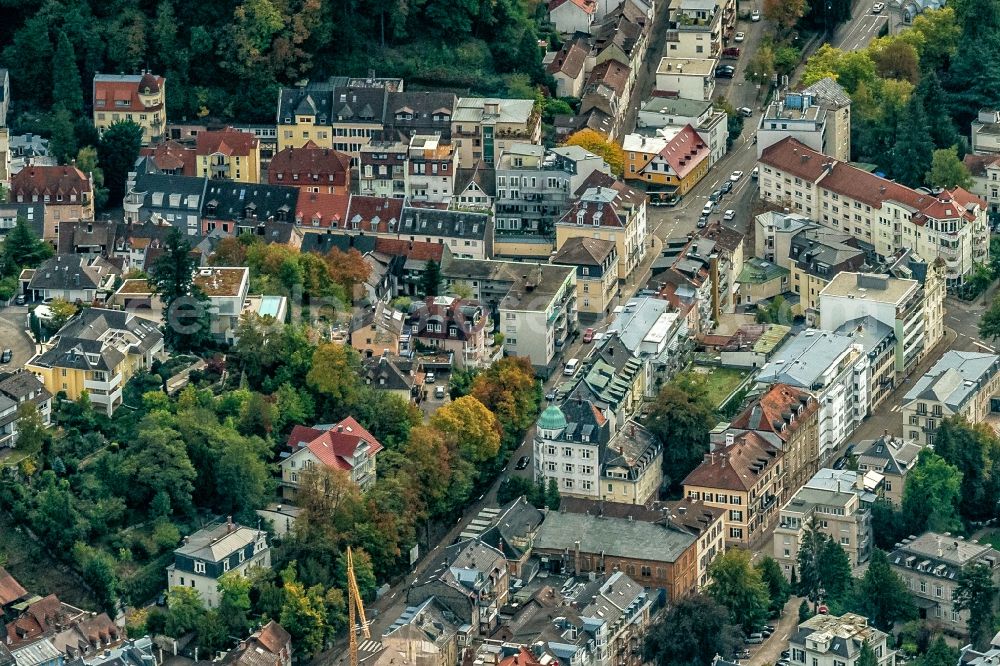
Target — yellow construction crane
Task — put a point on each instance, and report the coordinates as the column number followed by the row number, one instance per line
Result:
column 356, row 609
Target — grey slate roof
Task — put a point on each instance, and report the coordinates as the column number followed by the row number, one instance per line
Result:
column 226, row 200
column 829, row 91
column 83, row 334
column 448, row 223
column 33, row 214
column 72, row 272
column 868, row 331
column 634, row 322
column 955, row 378
column 616, row 537
column 323, row 243
column 20, row 385
column 217, row 542
column 804, row 358
column 892, row 454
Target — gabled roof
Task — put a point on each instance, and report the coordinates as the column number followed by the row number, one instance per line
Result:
column 955, row 378
column 311, row 164
column 415, row 250
column 447, row 223
column 482, row 175
column 228, row 142
column 584, row 251
column 570, row 60
column 738, row 466
column 120, row 92
column 54, row 181
column 10, row 589
column 685, row 151
column 72, row 272
column 226, row 200
column 588, row 6
column 173, row 157
column 778, row 411
column 829, row 91
column 334, row 445
column 319, row 209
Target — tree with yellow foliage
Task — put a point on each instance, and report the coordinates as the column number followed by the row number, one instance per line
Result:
column 599, row 144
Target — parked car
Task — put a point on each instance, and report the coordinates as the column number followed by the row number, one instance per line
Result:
column 739, row 37
column 6, row 356
column 735, row 176
column 730, row 214
column 19, row 299
column 755, row 15
column 715, row 196
column 745, row 111
column 878, row 7
column 709, row 207
column 742, row 654
column 727, row 187
column 588, row 335
column 725, row 72
column 429, row 377
column 754, row 639
column 439, row 392
column 755, row 173
column 702, row 223
column 522, row 463
column 785, row 654
column 731, row 53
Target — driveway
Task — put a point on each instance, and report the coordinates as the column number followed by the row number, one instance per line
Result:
column 13, row 337
column 770, row 651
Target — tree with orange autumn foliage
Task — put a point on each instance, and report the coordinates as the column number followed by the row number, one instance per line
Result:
column 509, row 389
column 348, row 269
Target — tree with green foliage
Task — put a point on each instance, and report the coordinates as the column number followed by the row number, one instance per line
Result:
column 947, row 170
column 881, row 595
column 805, row 612
column 304, row 613
column 67, row 91
column 834, row 569
column 552, row 497
column 867, row 656
column 99, row 571
column 939, row 654
column 692, row 632
column 86, row 161
column 334, row 376
column 157, row 462
column 933, row 96
column 117, row 152
column 510, row 390
column 187, row 324
column 761, row 68
column 776, row 583
column 972, row 450
column 823, row 565
column 430, row 279
column 184, row 611
column 913, row 152
column 681, row 417
column 62, row 138
column 737, row 585
column 234, row 603
column 931, row 495
column 461, row 380
column 32, row 433
column 989, row 322
column 22, row 249
column 976, row 594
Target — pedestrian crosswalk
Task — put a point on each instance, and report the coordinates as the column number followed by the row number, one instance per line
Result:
column 369, row 646
column 897, row 408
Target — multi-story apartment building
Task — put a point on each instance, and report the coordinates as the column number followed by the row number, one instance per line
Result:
column 483, row 128
column 16, row 390
column 836, row 503
column 470, row 579
column 815, row 256
column 794, row 114
column 895, row 302
column 569, row 442
column 430, row 169
column 745, row 477
column 345, row 446
column 832, row 97
column 606, row 95
column 227, row 288
column 610, row 209
column 834, row 369
column 788, row 418
column 97, row 351
column 65, row 191
column 878, row 341
column 985, row 133
column 828, row 640
column 312, row 169
column 228, row 155
column 452, row 326
column 77, row 278
column 533, row 188
column 887, row 218
column 382, row 169
column 710, row 123
column 535, row 304
column 677, row 158
column 773, row 234
column 930, row 565
column 959, row 384
column 140, row 98
column 596, row 263
column 212, row 552
column 697, row 28
column 893, row 458
column 985, row 171
column 615, row 380
column 688, row 78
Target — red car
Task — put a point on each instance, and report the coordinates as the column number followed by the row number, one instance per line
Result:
column 588, row 335
column 731, row 53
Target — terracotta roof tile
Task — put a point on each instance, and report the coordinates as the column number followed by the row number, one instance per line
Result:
column 685, row 151
column 313, row 165
column 333, row 447
column 50, row 180
column 588, row 6
column 772, row 412
column 10, row 589
column 416, row 250
column 109, row 90
column 329, row 209
column 228, row 141
column 737, row 466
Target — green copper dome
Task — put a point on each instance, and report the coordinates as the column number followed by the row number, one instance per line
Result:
column 552, row 419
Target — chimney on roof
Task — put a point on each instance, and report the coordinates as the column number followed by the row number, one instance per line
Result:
column 229, row 525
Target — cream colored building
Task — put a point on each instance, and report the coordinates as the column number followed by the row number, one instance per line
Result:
column 596, row 263
column 886, row 217
column 838, row 504
column 140, row 98
column 960, row 384
column 697, row 27
column 483, row 128
column 688, row 78
column 828, row 640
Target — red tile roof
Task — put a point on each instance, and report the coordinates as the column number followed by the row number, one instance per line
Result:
column 778, row 411
column 796, row 158
column 416, row 250
column 335, row 446
column 50, row 180
column 10, row 589
column 588, row 6
column 173, row 157
column 524, row 657
column 738, row 466
column 273, row 637
column 612, row 74
column 570, row 60
column 228, row 141
column 685, row 151
column 108, row 93
column 313, row 166
column 366, row 209
column 330, row 209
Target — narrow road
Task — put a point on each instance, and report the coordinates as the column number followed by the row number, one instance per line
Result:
column 770, row 651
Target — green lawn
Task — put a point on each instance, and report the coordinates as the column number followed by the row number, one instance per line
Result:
column 721, row 381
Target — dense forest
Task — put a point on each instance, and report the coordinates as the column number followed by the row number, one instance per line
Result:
column 226, row 59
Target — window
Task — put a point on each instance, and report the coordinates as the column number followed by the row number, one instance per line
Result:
column 567, row 451
column 199, row 567
column 567, row 483
column 225, row 565
column 243, row 556
column 735, row 532
column 646, row 571
column 568, row 468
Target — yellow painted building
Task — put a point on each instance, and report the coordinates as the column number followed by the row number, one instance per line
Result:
column 140, row 98
column 674, row 157
column 71, row 362
column 596, row 263
column 228, row 154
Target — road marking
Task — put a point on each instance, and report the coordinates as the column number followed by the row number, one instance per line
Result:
column 986, row 347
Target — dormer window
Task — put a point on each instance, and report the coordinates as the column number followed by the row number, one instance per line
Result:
column 199, row 567
column 580, row 215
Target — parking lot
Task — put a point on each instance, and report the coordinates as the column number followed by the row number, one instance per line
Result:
column 13, row 337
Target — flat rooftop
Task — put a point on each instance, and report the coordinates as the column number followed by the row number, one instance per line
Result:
column 687, row 66
column 221, row 282
column 871, row 287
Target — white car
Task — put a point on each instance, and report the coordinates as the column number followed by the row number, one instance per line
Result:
column 730, row 214
column 736, row 176
column 755, row 15
column 755, row 173
column 707, row 210
column 739, row 37
column 878, row 7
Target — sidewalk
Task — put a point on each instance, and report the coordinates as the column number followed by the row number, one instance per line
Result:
column 642, row 272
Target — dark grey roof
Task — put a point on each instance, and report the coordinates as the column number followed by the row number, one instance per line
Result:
column 72, row 272
column 323, row 243
column 20, row 385
column 480, row 174
column 33, row 213
column 448, row 223
column 514, row 525
column 96, row 233
column 82, row 342
column 423, row 107
column 225, row 200
column 615, row 537
column 359, row 105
